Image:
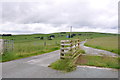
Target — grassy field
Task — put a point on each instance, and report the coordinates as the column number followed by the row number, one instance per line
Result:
column 99, row 61
column 30, row 48
column 105, row 43
column 28, row 45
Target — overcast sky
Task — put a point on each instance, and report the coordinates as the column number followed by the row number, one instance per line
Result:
column 49, row 16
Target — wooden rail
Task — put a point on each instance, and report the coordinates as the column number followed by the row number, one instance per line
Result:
column 69, row 46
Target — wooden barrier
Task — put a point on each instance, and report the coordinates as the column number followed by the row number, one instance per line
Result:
column 69, row 46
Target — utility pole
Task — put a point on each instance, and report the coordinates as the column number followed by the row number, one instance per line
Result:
column 70, row 31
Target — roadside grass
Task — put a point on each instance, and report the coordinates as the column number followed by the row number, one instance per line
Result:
column 66, row 64
column 105, row 43
column 99, row 61
column 63, row 65
column 22, row 54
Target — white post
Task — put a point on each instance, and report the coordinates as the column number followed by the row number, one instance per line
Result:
column 70, row 31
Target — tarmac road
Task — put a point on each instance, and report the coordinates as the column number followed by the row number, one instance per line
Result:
column 37, row 67
column 93, row 51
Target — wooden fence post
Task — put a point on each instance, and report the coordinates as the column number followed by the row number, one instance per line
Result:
column 12, row 45
column 73, row 46
column 62, row 49
column 56, row 42
column 78, row 43
column 45, row 43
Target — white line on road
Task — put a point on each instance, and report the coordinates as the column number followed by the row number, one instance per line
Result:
column 97, row 67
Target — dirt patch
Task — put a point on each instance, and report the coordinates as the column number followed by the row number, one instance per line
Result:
column 81, row 60
column 99, row 61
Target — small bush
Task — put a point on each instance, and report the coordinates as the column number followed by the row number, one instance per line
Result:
column 82, row 51
column 63, row 65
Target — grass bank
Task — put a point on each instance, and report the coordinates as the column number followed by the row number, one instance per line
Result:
column 63, row 65
column 99, row 61
column 105, row 43
column 13, row 55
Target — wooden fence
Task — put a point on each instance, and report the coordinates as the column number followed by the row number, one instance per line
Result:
column 69, row 46
column 6, row 45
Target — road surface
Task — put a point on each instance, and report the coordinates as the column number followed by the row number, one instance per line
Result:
column 37, row 67
column 93, row 51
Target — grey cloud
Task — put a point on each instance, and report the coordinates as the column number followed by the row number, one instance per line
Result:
column 76, row 13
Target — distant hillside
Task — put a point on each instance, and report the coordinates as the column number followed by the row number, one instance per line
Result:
column 60, row 35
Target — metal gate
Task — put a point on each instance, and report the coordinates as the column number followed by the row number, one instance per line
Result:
column 6, row 46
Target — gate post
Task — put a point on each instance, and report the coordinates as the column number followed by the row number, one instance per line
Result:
column 1, row 46
column 62, row 49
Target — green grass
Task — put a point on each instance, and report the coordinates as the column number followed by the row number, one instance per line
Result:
column 13, row 55
column 67, row 64
column 63, row 65
column 27, row 45
column 99, row 61
column 30, row 48
column 105, row 43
